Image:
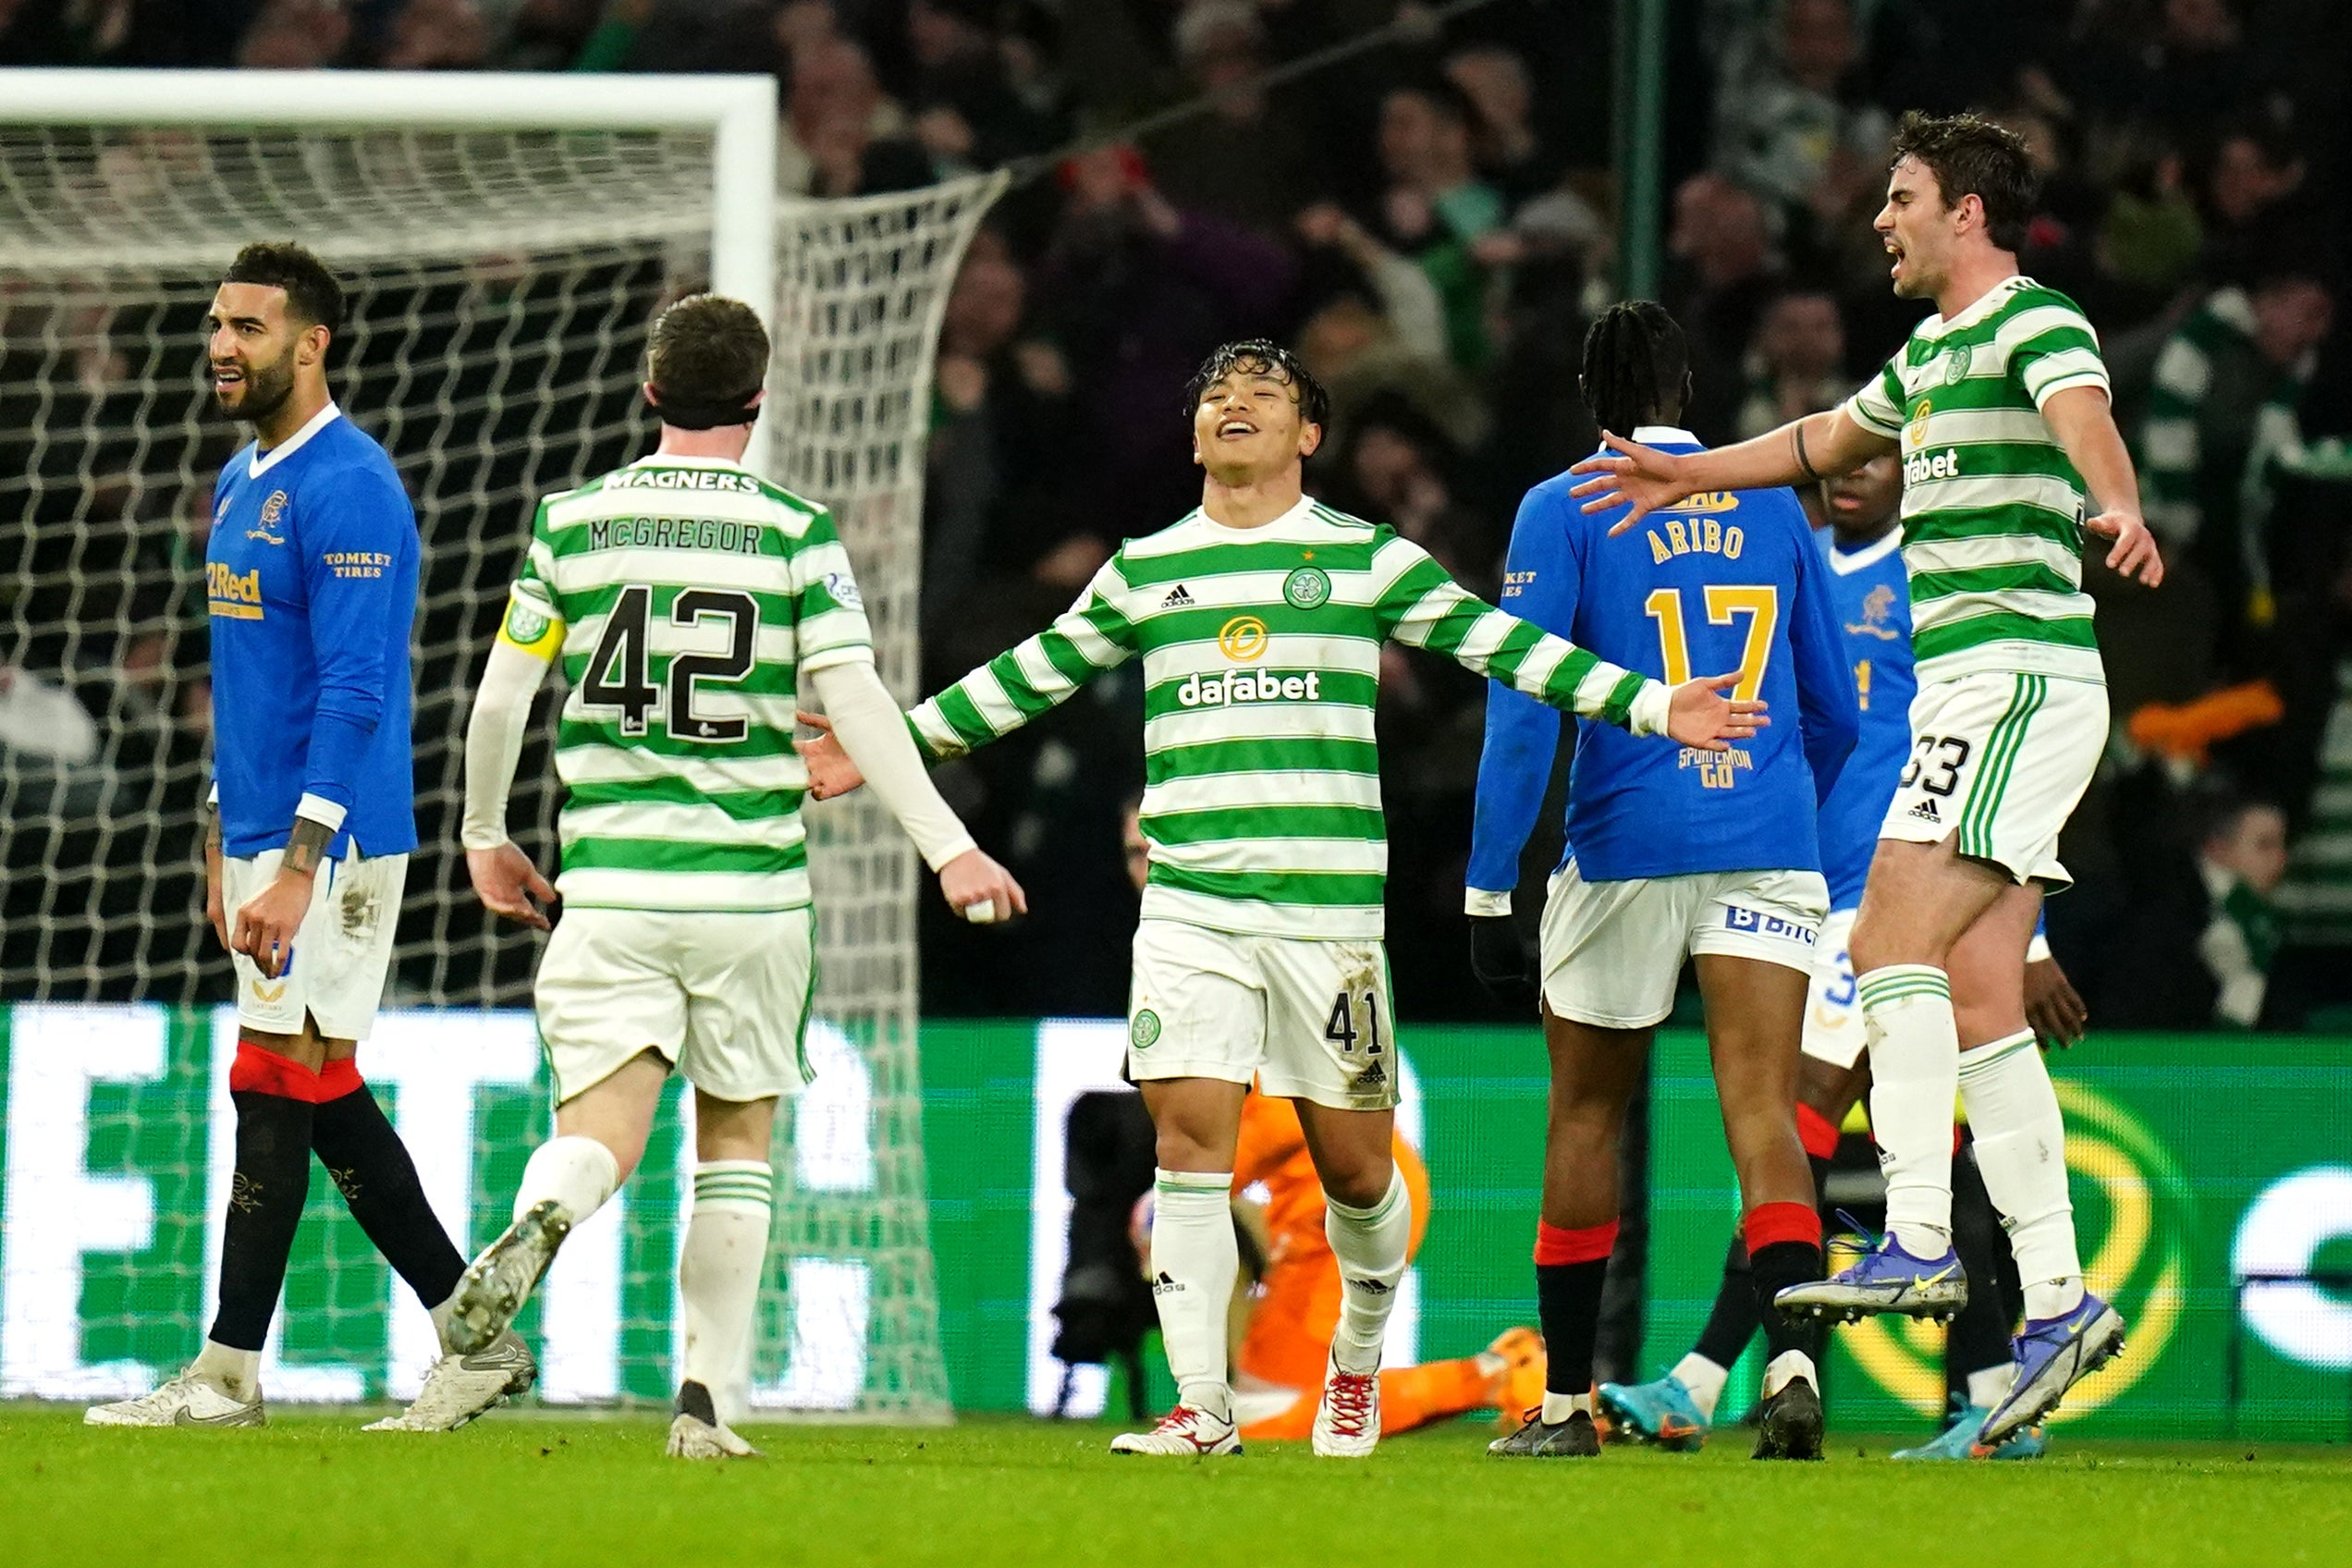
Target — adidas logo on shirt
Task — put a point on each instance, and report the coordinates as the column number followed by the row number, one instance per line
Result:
column 1177, row 599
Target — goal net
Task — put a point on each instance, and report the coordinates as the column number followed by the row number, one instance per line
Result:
column 502, row 279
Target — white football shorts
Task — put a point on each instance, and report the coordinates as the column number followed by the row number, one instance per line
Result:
column 723, row 998
column 1833, row 1009
column 1612, row 952
column 1308, row 1020
column 2000, row 760
column 342, row 950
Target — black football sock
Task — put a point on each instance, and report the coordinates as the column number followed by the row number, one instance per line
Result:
column 1776, row 1267
column 1978, row 1339
column 1733, row 1319
column 272, row 1181
column 371, row 1169
column 1571, row 1266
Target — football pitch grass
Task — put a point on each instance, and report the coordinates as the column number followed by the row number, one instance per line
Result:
column 313, row 1491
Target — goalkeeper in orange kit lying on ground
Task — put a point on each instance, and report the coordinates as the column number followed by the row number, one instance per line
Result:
column 1285, row 1323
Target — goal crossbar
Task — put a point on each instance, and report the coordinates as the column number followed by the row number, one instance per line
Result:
column 738, row 111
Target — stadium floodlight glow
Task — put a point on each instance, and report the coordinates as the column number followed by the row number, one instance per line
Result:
column 505, row 242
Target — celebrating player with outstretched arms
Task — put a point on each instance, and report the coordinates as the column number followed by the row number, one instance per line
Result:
column 1260, row 619
column 310, row 573
column 1668, row 855
column 686, row 598
column 1999, row 407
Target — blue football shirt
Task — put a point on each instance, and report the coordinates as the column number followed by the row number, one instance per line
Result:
column 311, row 576
column 1721, row 583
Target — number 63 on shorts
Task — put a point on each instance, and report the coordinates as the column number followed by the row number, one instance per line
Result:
column 1998, row 761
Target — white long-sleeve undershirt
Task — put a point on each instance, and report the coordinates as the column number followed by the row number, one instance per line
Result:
column 866, row 720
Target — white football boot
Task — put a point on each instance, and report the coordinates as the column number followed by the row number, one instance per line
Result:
column 502, row 1278
column 696, row 1432
column 1185, row 1432
column 461, row 1387
column 185, row 1400
column 1347, row 1419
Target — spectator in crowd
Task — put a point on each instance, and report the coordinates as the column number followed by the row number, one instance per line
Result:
column 1797, row 365
column 436, row 35
column 842, row 135
column 1724, row 275
column 1255, row 158
column 1791, row 124
column 2241, row 863
column 966, row 112
column 1138, row 291
column 1434, row 206
column 1509, row 153
column 2221, row 414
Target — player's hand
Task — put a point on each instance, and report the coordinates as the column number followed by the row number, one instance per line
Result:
column 830, row 771
column 267, row 921
column 1702, row 713
column 1642, row 479
column 509, row 883
column 2052, row 1005
column 2134, row 554
column 981, row 890
column 1498, row 962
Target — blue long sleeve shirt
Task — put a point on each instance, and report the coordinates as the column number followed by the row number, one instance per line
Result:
column 311, row 576
column 1730, row 582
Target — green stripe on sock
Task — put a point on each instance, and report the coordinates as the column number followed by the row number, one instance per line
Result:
column 1976, row 1059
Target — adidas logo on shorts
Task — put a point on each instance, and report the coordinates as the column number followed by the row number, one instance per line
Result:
column 1177, row 599
column 1926, row 812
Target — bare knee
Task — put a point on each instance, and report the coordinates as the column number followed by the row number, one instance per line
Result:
column 733, row 1129
column 1360, row 1184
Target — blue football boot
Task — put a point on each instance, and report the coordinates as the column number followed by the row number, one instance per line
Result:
column 1661, row 1413
column 1886, row 1279
column 1958, row 1440
column 2054, row 1354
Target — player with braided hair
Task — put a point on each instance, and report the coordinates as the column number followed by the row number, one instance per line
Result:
column 1670, row 853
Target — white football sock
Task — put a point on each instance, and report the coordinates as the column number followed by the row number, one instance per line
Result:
column 579, row 1174
column 1370, row 1244
column 1703, row 1380
column 1915, row 1054
column 2021, row 1152
column 1559, row 1407
column 718, row 1276
column 1193, row 1262
column 1784, row 1368
column 236, row 1373
column 1987, row 1387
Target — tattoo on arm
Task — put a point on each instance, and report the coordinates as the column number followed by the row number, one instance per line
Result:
column 212, row 830
column 1804, row 459
column 306, row 846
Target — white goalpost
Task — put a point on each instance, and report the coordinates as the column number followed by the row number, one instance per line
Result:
column 505, row 241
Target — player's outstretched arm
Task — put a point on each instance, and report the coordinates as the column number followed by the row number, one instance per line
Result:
column 1421, row 606
column 502, row 876
column 1091, row 636
column 2084, row 422
column 1642, row 479
column 864, row 727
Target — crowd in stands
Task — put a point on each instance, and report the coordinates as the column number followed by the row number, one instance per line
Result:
column 1432, row 222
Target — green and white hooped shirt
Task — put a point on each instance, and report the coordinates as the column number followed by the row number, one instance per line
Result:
column 1261, row 650
column 1993, row 509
